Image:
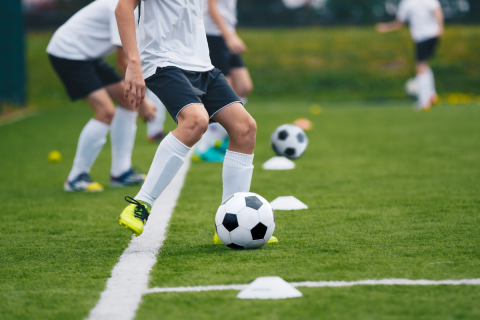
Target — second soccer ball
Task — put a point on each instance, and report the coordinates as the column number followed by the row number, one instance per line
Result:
column 289, row 141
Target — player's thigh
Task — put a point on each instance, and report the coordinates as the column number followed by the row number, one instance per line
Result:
column 241, row 81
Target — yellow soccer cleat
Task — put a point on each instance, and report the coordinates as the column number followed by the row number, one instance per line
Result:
column 83, row 183
column 135, row 215
column 216, row 239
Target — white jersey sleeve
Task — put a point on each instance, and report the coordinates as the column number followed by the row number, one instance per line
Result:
column 402, row 12
column 114, row 34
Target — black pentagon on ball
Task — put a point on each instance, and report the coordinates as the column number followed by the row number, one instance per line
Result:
column 259, row 231
column 230, row 222
column 290, row 152
column 300, row 137
column 253, row 202
column 283, row 135
column 235, row 246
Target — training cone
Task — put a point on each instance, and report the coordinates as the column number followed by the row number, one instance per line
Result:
column 269, row 288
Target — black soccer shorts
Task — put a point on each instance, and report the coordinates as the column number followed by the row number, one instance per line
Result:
column 178, row 88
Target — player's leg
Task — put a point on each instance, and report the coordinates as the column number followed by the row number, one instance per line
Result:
column 424, row 78
column 237, row 166
column 172, row 86
column 241, row 82
column 155, row 127
column 92, row 139
column 122, row 136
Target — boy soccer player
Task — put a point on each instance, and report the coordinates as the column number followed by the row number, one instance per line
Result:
column 76, row 51
column 173, row 58
column 220, row 19
column 426, row 21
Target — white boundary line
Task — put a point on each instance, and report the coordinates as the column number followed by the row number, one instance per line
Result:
column 129, row 280
column 385, row 282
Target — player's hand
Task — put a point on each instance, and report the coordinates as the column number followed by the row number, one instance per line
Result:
column 147, row 111
column 381, row 27
column 134, row 85
column 235, row 44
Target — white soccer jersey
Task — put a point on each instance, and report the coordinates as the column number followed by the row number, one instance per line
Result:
column 419, row 14
column 91, row 33
column 171, row 33
column 228, row 10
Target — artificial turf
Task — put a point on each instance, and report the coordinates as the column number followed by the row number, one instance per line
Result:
column 391, row 194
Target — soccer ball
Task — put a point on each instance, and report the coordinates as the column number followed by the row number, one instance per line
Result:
column 411, row 87
column 245, row 220
column 289, row 141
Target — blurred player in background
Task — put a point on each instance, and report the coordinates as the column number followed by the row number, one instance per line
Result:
column 426, row 21
column 220, row 20
column 76, row 51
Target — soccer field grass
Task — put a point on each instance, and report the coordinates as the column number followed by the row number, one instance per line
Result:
column 391, row 194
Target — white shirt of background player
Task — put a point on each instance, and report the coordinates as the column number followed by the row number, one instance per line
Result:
column 421, row 18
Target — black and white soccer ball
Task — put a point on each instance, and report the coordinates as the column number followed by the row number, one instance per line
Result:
column 411, row 87
column 245, row 220
column 289, row 141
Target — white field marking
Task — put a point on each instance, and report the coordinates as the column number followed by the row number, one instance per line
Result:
column 129, row 280
column 18, row 118
column 440, row 262
column 312, row 284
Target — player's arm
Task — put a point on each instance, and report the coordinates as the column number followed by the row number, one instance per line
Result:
column 389, row 26
column 438, row 12
column 134, row 83
column 146, row 110
column 122, row 61
column 233, row 41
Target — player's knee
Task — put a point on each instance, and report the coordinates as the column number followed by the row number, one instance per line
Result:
column 197, row 124
column 245, row 89
column 247, row 130
column 105, row 115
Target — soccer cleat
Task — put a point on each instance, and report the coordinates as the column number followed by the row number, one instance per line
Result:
column 156, row 138
column 211, row 155
column 435, row 99
column 135, row 215
column 216, row 239
column 82, row 183
column 129, row 178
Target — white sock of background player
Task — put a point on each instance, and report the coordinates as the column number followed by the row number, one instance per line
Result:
column 156, row 126
column 431, row 78
column 122, row 136
column 92, row 139
column 170, row 156
column 237, row 173
column 424, row 90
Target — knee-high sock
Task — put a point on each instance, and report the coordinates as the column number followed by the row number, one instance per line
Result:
column 237, row 173
column 91, row 141
column 170, row 156
column 215, row 132
column 122, row 136
column 424, row 89
column 156, row 126
column 431, row 79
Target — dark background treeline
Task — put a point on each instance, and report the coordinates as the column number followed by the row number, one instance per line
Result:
column 274, row 13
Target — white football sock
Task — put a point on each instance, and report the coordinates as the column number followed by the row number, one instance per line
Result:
column 237, row 173
column 170, row 156
column 431, row 78
column 156, row 126
column 122, row 136
column 215, row 132
column 91, row 141
column 424, row 89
